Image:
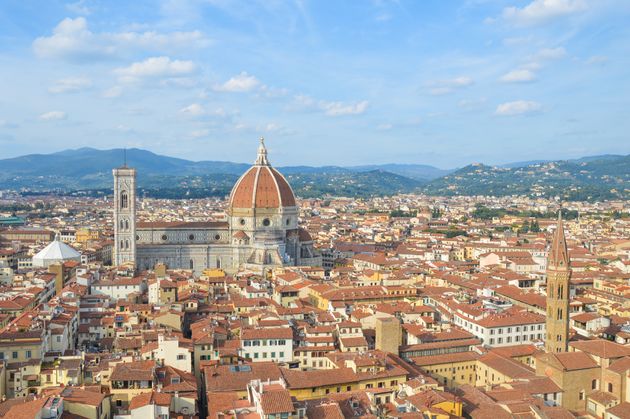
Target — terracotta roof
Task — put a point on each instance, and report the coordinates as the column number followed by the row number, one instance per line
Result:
column 601, row 348
column 506, row 366
column 133, row 371
column 152, row 398
column 262, row 187
column 276, row 401
column 236, row 377
column 622, row 410
column 267, row 333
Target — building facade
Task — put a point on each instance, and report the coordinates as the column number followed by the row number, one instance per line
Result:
column 260, row 230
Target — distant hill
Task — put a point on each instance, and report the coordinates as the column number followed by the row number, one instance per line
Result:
column 590, row 178
column 89, row 168
column 413, row 171
column 594, row 177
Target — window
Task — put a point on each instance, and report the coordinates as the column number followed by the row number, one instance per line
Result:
column 610, row 387
column 124, row 199
column 28, row 355
column 594, row 385
column 14, row 355
column 581, row 395
column 180, row 357
column 281, row 354
column 266, row 222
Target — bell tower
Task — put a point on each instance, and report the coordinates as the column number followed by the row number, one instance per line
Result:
column 124, row 215
column 558, row 287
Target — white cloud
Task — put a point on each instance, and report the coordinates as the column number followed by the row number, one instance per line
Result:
column 518, row 107
column 200, row 133
column 442, row 87
column 6, row 124
column 194, row 109
column 539, row 11
column 518, row 76
column 384, row 127
column 155, row 67
column 113, row 92
column 240, row 83
column 340, row 108
column 72, row 40
column 79, row 8
column 53, row 116
column 304, row 101
column 597, row 59
column 72, row 84
column 551, row 53
column 471, row 104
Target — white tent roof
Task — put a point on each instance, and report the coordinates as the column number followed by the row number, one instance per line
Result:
column 57, row 250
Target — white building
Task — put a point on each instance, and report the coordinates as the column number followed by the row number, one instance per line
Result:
column 170, row 353
column 269, row 344
column 510, row 327
column 118, row 289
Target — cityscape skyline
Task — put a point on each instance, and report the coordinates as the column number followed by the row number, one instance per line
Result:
column 381, row 82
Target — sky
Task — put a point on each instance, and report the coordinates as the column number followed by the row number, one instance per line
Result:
column 326, row 82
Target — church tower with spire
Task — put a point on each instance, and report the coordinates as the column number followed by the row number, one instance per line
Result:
column 558, row 277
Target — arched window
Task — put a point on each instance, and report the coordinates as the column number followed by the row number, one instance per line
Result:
column 122, row 244
column 594, row 385
column 610, row 387
column 218, row 263
column 192, row 264
column 126, row 224
column 124, row 199
column 126, row 244
column 122, row 224
column 559, row 314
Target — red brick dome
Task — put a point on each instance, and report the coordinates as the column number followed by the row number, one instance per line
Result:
column 262, row 186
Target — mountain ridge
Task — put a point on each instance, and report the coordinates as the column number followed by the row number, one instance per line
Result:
column 592, row 177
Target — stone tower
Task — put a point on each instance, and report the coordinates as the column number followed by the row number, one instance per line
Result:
column 558, row 287
column 124, row 215
column 388, row 334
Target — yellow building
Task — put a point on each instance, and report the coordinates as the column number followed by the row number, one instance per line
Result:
column 450, row 370
column 85, row 234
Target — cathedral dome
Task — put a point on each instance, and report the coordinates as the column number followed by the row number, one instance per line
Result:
column 262, row 186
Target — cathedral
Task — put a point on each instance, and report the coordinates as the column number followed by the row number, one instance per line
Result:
column 260, row 230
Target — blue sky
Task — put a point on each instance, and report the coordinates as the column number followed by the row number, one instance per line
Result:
column 350, row 82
